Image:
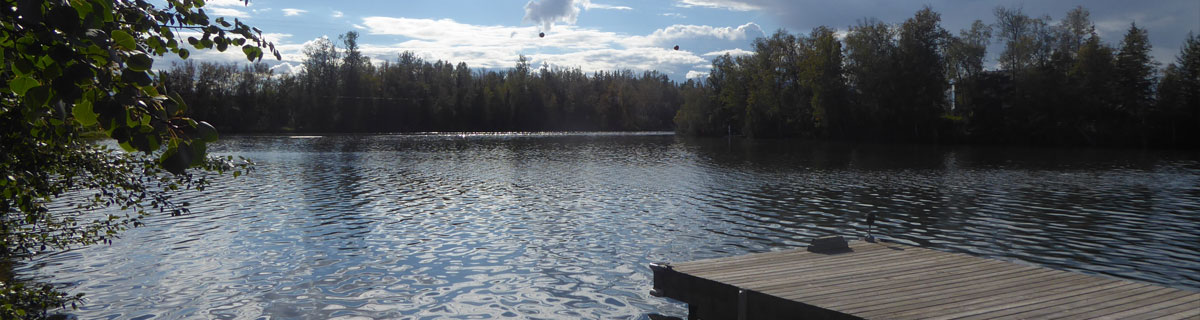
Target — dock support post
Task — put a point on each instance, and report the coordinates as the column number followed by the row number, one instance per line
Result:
column 741, row 313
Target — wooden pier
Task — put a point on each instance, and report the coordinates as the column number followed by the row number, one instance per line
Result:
column 893, row 281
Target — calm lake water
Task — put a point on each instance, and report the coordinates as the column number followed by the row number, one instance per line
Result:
column 564, row 225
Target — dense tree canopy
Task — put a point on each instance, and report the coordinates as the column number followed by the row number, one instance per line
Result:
column 1058, row 83
column 84, row 67
column 340, row 90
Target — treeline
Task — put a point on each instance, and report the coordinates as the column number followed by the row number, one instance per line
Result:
column 1058, row 83
column 340, row 90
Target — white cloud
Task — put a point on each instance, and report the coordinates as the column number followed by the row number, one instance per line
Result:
column 733, row 52
column 671, row 34
column 226, row 3
column 497, row 46
column 841, row 34
column 660, row 59
column 286, row 68
column 734, row 5
column 592, row 5
column 548, row 12
column 673, row 15
column 338, row 14
column 227, row 12
column 289, row 12
column 694, row 74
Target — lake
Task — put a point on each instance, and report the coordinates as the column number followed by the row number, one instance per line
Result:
column 564, row 225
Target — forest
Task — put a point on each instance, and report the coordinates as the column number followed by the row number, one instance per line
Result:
column 340, row 90
column 1055, row 83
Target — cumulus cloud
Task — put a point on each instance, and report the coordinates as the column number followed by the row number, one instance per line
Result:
column 671, row 34
column 733, row 52
column 696, row 74
column 592, row 5
column 496, row 46
column 548, row 12
column 288, row 12
column 226, row 3
column 227, row 8
column 734, row 5
column 663, row 60
column 286, row 68
column 338, row 14
column 227, row 12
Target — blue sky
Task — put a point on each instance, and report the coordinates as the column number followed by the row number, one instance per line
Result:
column 637, row 35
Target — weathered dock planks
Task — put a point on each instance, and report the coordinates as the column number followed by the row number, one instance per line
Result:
column 893, row 281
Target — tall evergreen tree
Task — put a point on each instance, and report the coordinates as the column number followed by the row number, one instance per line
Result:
column 922, row 91
column 1135, row 77
column 871, row 75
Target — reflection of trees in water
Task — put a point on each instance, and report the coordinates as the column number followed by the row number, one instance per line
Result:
column 331, row 190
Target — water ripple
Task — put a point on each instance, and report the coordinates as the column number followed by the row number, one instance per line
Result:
column 546, row 226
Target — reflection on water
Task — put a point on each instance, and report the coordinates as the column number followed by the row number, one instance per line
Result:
column 563, row 225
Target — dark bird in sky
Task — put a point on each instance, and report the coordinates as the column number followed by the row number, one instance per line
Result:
column 676, row 47
column 541, row 34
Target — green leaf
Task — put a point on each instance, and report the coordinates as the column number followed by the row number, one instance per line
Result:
column 180, row 105
column 206, row 132
column 80, row 73
column 177, row 158
column 83, row 113
column 82, row 8
column 62, row 53
column 139, row 62
column 20, row 85
column 183, row 53
column 65, row 18
column 197, row 154
column 22, row 67
column 250, row 51
column 98, row 55
column 156, row 45
column 138, row 77
column 37, row 97
column 123, row 40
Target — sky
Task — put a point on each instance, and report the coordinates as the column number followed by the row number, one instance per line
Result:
column 637, row 35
